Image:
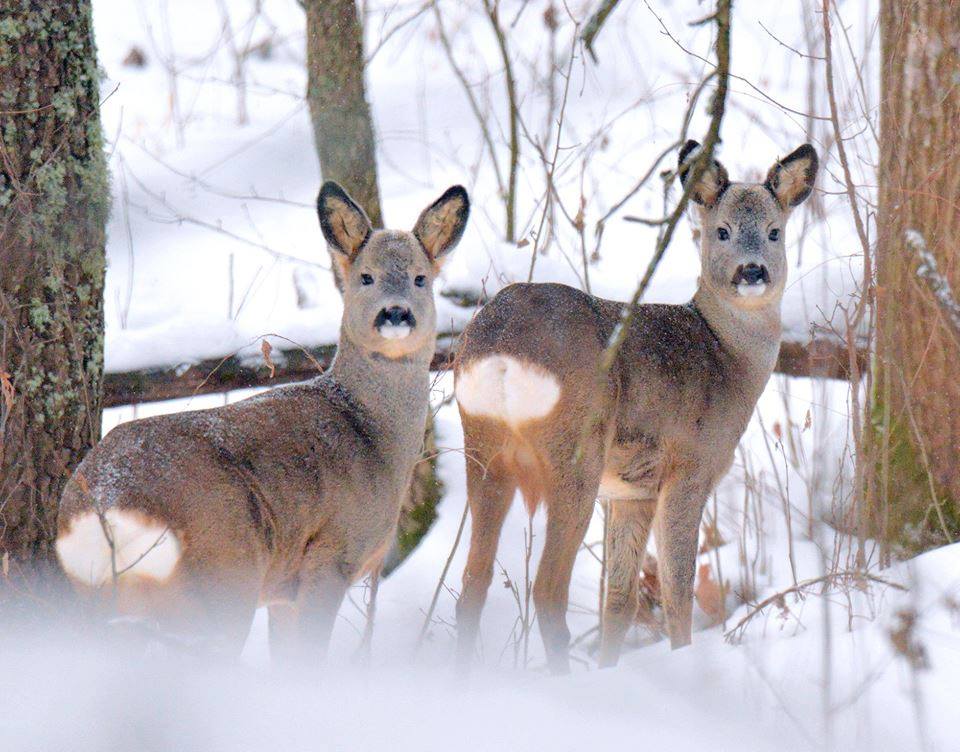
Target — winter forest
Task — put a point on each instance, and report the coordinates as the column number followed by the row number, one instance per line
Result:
column 479, row 374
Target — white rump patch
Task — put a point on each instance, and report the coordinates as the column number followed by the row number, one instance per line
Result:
column 752, row 291
column 394, row 331
column 508, row 389
column 142, row 547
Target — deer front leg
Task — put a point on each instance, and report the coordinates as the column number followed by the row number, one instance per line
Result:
column 282, row 634
column 320, row 599
column 677, row 528
column 300, row 632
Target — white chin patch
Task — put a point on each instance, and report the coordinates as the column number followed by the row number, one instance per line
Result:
column 394, row 331
column 752, row 291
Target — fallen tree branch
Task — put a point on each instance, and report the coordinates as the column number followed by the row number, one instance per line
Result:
column 823, row 358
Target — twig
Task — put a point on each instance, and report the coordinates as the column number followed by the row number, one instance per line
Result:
column 443, row 576
column 492, row 8
column 551, row 170
column 366, row 643
column 179, row 218
column 784, row 497
column 802, row 586
column 779, row 41
column 697, row 169
column 595, row 24
column 399, row 25
column 847, row 177
column 471, row 98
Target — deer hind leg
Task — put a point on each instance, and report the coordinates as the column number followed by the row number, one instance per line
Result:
column 202, row 594
column 490, row 491
column 677, row 528
column 628, row 528
column 569, row 509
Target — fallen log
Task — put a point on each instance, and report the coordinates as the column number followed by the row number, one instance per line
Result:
column 819, row 358
column 823, row 358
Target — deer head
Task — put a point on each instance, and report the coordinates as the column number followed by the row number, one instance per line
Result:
column 388, row 275
column 743, row 225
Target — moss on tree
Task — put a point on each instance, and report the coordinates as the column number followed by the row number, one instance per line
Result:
column 54, row 198
column 916, row 427
column 912, row 512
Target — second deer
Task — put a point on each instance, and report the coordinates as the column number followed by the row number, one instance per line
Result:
column 653, row 438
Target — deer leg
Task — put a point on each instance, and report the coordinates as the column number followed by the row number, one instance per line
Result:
column 489, row 492
column 568, row 515
column 677, row 528
column 321, row 592
column 628, row 527
column 282, row 633
column 212, row 605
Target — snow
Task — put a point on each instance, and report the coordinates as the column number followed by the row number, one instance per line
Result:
column 213, row 240
column 822, row 670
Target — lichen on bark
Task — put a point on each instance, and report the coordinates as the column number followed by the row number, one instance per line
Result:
column 54, row 198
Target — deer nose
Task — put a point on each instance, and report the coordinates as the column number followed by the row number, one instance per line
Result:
column 395, row 316
column 752, row 274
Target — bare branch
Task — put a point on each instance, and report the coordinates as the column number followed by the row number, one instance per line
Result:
column 697, row 169
column 595, row 24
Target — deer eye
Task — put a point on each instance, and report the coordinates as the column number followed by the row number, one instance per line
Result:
column 774, row 235
column 420, row 280
column 366, row 279
column 723, row 233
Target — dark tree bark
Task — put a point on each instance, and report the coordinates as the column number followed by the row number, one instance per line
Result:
column 53, row 206
column 916, row 420
column 342, row 125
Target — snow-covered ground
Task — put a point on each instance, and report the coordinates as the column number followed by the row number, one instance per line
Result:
column 213, row 240
column 828, row 667
column 819, row 672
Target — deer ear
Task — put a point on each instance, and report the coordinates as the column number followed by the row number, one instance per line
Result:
column 344, row 224
column 441, row 224
column 712, row 183
column 790, row 180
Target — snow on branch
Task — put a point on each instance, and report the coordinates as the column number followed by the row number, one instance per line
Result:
column 929, row 272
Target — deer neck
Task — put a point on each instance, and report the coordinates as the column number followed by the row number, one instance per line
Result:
column 394, row 392
column 750, row 335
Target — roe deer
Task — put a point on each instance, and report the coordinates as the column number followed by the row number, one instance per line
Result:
column 653, row 438
column 191, row 520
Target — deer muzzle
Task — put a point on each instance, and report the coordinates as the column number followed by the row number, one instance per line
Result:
column 751, row 280
column 395, row 322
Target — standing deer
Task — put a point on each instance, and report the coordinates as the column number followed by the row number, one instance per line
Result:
column 652, row 437
column 191, row 520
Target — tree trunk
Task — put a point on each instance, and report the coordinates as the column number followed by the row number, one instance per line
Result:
column 54, row 198
column 915, row 417
column 342, row 125
column 343, row 132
